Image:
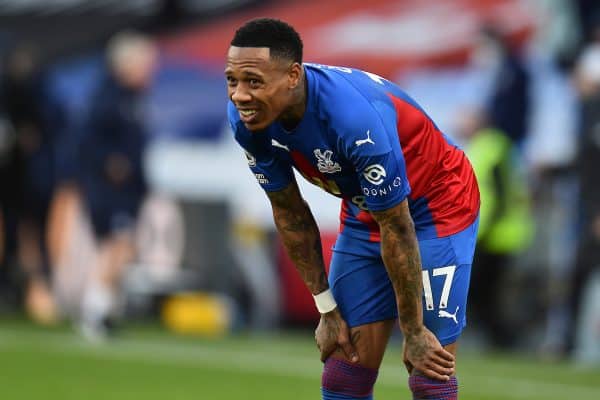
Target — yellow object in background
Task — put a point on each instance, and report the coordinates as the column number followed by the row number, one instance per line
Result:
column 197, row 314
column 506, row 224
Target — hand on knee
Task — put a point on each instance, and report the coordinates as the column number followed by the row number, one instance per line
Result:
column 344, row 380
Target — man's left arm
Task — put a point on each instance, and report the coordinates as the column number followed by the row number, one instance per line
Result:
column 376, row 155
column 400, row 253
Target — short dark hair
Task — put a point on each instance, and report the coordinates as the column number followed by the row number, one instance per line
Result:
column 280, row 37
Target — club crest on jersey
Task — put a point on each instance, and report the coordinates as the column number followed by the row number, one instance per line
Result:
column 324, row 162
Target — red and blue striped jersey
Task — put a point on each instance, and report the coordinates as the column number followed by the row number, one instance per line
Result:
column 364, row 140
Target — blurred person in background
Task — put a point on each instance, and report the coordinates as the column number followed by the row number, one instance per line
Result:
column 508, row 105
column 506, row 225
column 28, row 181
column 404, row 249
column 10, row 173
column 587, row 165
column 589, row 19
column 112, row 175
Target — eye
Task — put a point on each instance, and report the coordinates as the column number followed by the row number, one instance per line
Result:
column 231, row 81
column 254, row 83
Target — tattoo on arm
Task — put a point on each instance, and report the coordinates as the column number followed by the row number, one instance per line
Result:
column 400, row 252
column 300, row 235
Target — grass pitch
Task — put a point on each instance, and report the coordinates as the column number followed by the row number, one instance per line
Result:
column 150, row 364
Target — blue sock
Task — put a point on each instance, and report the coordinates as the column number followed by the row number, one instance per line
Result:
column 327, row 395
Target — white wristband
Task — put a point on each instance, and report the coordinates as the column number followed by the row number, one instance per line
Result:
column 325, row 301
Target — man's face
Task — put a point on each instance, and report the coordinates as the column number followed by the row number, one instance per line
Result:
column 258, row 86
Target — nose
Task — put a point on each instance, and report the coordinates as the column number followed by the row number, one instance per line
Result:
column 240, row 95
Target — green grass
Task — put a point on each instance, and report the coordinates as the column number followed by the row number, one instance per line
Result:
column 150, row 364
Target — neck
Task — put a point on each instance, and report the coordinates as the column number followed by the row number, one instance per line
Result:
column 293, row 115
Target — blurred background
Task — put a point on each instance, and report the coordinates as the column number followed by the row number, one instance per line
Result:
column 135, row 245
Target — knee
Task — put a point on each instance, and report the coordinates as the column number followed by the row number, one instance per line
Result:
column 426, row 388
column 345, row 378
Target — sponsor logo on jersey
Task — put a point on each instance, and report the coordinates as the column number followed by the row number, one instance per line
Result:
column 383, row 190
column 324, row 162
column 261, row 178
column 251, row 159
column 446, row 314
column 375, row 173
column 360, row 142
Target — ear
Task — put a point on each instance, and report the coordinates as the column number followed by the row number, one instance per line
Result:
column 294, row 74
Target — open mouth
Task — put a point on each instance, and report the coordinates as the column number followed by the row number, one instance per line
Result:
column 247, row 115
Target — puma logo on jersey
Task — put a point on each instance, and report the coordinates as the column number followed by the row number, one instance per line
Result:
column 360, row 142
column 446, row 314
column 275, row 143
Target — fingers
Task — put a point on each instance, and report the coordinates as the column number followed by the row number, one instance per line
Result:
column 437, row 369
column 435, row 362
column 332, row 334
column 440, row 369
column 442, row 362
column 408, row 365
column 434, row 375
column 445, row 354
column 344, row 345
column 326, row 352
column 349, row 350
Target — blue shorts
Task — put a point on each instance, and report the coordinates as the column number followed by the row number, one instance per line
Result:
column 364, row 293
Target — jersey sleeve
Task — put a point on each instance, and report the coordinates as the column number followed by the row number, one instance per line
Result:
column 271, row 172
column 374, row 149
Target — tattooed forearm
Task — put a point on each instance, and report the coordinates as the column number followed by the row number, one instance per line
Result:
column 300, row 235
column 400, row 252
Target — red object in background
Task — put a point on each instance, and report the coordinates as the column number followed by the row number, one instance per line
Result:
column 380, row 36
column 298, row 305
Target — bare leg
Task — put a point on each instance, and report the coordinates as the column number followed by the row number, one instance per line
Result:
column 39, row 301
column 101, row 297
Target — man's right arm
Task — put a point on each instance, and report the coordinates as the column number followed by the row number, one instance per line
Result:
column 300, row 235
column 302, row 241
